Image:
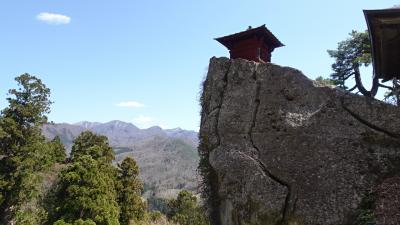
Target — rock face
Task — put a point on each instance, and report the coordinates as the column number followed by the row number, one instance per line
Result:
column 286, row 148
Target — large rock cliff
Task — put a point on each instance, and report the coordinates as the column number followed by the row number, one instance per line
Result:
column 285, row 148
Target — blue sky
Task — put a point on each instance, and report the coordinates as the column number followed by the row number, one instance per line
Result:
column 151, row 56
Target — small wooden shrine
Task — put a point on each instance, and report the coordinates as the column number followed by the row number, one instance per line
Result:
column 254, row 44
column 384, row 31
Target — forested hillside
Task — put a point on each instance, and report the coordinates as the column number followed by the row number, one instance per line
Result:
column 40, row 184
column 167, row 158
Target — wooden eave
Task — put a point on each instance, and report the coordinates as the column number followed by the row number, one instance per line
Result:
column 384, row 31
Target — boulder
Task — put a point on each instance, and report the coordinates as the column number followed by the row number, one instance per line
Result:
column 287, row 149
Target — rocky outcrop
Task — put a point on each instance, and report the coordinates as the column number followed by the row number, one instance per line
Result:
column 286, row 148
column 387, row 203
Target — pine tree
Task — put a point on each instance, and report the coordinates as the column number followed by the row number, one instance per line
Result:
column 185, row 210
column 129, row 192
column 87, row 188
column 58, row 149
column 24, row 152
column 88, row 143
column 349, row 56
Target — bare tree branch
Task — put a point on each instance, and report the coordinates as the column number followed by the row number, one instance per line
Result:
column 353, row 88
column 384, row 86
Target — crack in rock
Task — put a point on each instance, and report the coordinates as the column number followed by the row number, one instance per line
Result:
column 314, row 169
column 222, row 95
column 366, row 123
column 290, row 200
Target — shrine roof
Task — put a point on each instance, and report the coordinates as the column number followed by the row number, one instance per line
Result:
column 261, row 31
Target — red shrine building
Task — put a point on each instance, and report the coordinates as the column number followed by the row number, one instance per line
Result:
column 254, row 44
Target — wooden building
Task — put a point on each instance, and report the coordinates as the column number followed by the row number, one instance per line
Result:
column 384, row 31
column 254, row 44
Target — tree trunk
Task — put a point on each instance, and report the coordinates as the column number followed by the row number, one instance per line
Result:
column 360, row 86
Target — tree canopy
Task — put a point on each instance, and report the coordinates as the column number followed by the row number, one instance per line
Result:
column 87, row 191
column 350, row 55
column 58, row 149
column 40, row 185
column 186, row 211
column 29, row 103
column 25, row 152
column 130, row 189
column 88, row 143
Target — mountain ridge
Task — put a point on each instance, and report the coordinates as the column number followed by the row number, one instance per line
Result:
column 120, row 133
column 167, row 158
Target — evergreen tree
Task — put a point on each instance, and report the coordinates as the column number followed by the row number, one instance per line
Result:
column 129, row 192
column 58, row 150
column 24, row 152
column 185, row 210
column 349, row 56
column 77, row 222
column 88, row 143
column 87, row 192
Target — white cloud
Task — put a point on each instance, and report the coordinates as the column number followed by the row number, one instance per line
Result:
column 130, row 104
column 143, row 120
column 53, row 18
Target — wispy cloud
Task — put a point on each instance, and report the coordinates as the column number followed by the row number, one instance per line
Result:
column 143, row 121
column 130, row 104
column 53, row 18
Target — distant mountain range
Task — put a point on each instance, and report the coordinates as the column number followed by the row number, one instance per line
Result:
column 167, row 158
